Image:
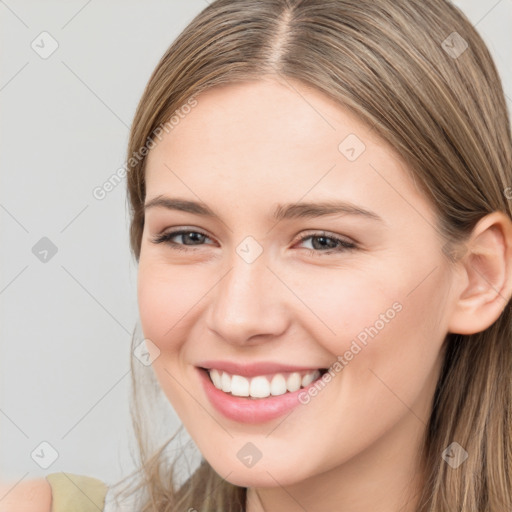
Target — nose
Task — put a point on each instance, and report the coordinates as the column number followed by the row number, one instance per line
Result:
column 248, row 304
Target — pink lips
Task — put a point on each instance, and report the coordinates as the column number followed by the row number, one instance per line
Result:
column 246, row 409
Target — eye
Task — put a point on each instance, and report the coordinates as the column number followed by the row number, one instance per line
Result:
column 327, row 244
column 188, row 238
column 322, row 242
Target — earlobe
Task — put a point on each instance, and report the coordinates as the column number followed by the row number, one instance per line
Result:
column 486, row 270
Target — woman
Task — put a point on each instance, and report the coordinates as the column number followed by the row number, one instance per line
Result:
column 321, row 218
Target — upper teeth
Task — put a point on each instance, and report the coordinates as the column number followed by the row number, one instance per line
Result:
column 262, row 386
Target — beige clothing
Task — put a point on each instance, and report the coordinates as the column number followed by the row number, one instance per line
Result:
column 76, row 493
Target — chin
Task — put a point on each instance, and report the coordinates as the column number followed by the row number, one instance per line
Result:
column 260, row 475
column 260, row 478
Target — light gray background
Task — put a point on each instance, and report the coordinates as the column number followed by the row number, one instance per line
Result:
column 66, row 324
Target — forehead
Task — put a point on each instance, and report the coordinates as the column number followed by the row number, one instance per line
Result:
column 267, row 115
column 282, row 141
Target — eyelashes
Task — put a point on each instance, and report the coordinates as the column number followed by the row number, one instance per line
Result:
column 167, row 238
column 335, row 243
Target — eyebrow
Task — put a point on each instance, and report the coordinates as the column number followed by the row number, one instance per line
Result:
column 282, row 212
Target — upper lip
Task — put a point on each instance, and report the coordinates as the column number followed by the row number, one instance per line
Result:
column 254, row 369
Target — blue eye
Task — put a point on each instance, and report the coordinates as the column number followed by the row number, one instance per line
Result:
column 322, row 242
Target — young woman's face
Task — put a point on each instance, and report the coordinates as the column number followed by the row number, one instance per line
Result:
column 361, row 289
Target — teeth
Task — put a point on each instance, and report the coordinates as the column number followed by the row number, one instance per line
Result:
column 239, row 385
column 225, row 383
column 261, row 386
column 293, row 382
column 278, row 385
column 217, row 381
column 308, row 379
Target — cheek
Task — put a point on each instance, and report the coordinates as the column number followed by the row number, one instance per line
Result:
column 166, row 300
column 379, row 321
column 395, row 355
column 346, row 305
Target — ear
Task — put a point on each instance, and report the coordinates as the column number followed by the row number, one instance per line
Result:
column 485, row 284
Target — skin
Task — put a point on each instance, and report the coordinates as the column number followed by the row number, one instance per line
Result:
column 33, row 495
column 242, row 150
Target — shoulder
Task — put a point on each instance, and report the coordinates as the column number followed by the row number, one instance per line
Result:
column 26, row 496
column 58, row 492
column 80, row 493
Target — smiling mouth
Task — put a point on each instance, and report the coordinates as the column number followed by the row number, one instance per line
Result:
column 263, row 386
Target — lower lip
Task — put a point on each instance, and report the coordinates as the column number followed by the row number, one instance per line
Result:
column 250, row 410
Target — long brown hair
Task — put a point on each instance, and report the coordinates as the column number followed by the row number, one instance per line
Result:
column 418, row 73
